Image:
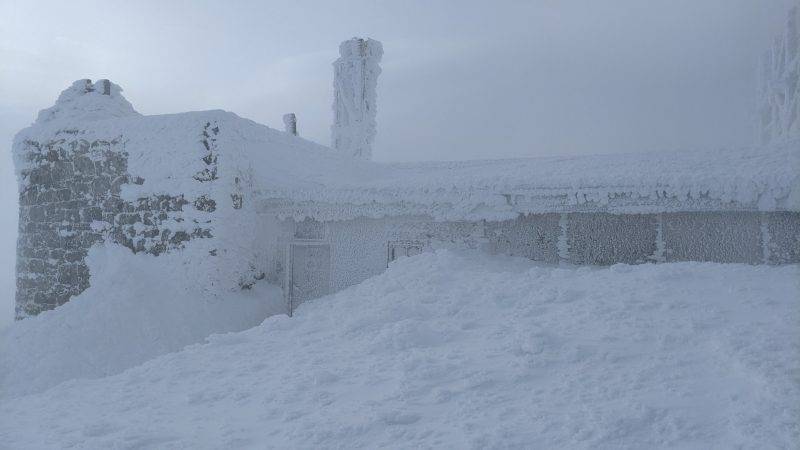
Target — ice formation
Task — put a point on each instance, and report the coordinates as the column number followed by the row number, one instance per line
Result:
column 354, row 89
column 779, row 86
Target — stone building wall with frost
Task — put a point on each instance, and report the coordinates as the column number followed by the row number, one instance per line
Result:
column 349, row 250
column 92, row 171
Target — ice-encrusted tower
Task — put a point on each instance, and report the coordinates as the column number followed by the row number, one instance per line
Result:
column 779, row 86
column 355, row 78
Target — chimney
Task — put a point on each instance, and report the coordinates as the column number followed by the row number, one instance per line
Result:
column 290, row 123
column 106, row 87
column 355, row 78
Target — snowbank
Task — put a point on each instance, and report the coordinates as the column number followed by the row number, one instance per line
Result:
column 138, row 307
column 461, row 351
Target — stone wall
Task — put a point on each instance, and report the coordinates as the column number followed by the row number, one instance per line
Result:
column 71, row 201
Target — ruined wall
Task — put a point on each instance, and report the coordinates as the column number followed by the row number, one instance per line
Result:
column 70, row 200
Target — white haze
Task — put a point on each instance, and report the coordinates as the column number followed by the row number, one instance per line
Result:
column 542, row 77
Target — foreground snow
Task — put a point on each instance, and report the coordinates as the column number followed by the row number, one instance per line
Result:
column 121, row 321
column 458, row 351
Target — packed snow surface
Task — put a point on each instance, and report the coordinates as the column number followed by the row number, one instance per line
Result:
column 453, row 350
column 134, row 311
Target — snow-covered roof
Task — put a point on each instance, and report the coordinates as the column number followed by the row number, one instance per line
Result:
column 758, row 179
column 295, row 177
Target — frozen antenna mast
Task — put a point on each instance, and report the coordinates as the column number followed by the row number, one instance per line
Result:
column 355, row 77
column 779, row 86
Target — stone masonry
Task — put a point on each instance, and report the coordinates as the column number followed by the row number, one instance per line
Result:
column 71, row 201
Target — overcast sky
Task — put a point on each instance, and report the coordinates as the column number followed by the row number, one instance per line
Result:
column 461, row 79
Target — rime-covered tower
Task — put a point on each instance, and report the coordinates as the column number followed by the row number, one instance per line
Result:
column 354, row 82
column 779, row 86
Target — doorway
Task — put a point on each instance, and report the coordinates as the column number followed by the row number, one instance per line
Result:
column 309, row 272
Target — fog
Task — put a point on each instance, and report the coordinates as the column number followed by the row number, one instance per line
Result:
column 461, row 80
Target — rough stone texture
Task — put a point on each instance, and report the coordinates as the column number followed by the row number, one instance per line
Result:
column 355, row 80
column 783, row 234
column 71, row 201
column 603, row 239
column 533, row 236
column 66, row 193
column 728, row 237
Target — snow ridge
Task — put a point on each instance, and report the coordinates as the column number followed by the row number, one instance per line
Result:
column 87, row 101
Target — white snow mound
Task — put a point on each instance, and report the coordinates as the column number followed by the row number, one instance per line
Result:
column 134, row 311
column 87, row 101
column 450, row 350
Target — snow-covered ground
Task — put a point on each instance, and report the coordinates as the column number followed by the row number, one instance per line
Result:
column 138, row 307
column 459, row 350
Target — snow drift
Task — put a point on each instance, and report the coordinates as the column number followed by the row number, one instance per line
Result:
column 462, row 351
column 138, row 307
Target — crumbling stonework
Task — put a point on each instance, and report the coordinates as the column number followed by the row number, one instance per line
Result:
column 71, row 201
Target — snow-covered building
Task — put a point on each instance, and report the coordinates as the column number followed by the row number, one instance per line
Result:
column 246, row 203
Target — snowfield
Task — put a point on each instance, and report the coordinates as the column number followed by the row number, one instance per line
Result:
column 460, row 350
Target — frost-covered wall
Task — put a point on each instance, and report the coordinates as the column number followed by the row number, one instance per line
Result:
column 779, row 86
column 93, row 171
column 355, row 79
column 69, row 203
column 361, row 248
